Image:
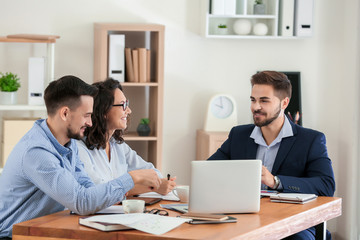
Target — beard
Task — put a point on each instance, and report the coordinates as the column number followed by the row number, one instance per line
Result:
column 267, row 121
column 74, row 135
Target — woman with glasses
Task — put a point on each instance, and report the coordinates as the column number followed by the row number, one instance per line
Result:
column 103, row 151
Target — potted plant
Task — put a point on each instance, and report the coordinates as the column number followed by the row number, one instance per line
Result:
column 259, row 7
column 143, row 128
column 9, row 84
column 222, row 29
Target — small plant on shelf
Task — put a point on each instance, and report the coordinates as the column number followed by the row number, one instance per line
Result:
column 222, row 26
column 143, row 128
column 9, row 82
column 259, row 1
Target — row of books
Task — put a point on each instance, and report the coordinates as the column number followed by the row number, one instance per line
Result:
column 137, row 65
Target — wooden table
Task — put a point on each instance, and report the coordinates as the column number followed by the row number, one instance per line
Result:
column 274, row 221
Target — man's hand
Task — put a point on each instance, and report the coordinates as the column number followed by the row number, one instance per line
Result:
column 267, row 178
column 146, row 177
column 166, row 186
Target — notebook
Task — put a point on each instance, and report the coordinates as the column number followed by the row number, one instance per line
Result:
column 226, row 186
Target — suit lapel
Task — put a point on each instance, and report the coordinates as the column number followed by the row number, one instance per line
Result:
column 285, row 147
column 251, row 149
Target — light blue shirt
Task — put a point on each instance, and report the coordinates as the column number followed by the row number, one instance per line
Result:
column 267, row 153
column 123, row 159
column 42, row 177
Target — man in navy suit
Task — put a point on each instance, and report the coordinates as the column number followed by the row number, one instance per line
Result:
column 295, row 159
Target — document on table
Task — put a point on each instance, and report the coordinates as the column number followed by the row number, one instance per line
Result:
column 150, row 223
column 111, row 210
column 170, row 196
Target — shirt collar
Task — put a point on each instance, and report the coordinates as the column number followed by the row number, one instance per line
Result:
column 60, row 148
column 286, row 131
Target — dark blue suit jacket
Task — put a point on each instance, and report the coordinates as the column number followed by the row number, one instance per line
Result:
column 302, row 162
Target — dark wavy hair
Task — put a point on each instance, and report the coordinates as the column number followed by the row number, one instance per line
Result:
column 96, row 136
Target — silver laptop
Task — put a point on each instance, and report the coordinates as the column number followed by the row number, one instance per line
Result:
column 227, row 186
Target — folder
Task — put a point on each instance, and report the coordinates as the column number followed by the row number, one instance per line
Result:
column 286, row 20
column 218, row 7
column 116, row 57
column 304, row 18
column 129, row 66
column 142, row 64
column 230, row 7
column 135, row 60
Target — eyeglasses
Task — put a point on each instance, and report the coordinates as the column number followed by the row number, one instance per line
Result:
column 124, row 105
column 156, row 211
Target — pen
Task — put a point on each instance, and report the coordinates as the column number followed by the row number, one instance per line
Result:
column 168, row 177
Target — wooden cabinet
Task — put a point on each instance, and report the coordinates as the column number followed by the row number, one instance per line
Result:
column 146, row 99
column 208, row 142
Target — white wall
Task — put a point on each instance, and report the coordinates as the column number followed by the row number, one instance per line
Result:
column 196, row 68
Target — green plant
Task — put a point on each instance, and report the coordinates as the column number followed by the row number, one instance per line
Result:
column 222, row 26
column 258, row 1
column 9, row 82
column 144, row 121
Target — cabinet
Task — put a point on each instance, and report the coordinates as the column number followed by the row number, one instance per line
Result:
column 208, row 142
column 244, row 10
column 146, row 98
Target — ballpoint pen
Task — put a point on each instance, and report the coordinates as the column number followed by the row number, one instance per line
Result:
column 168, row 177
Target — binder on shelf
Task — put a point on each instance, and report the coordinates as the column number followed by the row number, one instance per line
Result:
column 286, row 18
column 142, row 64
column 230, row 7
column 116, row 57
column 218, row 7
column 148, row 65
column 129, row 66
column 304, row 18
column 36, row 81
column 135, row 58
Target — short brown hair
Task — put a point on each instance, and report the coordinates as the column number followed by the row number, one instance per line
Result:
column 279, row 81
column 66, row 91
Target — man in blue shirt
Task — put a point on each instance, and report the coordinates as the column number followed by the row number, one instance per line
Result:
column 295, row 159
column 43, row 173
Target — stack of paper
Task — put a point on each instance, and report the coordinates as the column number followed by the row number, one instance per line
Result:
column 150, row 223
column 169, row 197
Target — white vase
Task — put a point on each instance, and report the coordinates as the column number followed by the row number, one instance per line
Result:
column 8, row 98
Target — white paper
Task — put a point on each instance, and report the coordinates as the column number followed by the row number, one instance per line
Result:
column 149, row 223
column 169, row 197
column 111, row 210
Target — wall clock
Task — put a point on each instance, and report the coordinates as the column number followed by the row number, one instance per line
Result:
column 221, row 113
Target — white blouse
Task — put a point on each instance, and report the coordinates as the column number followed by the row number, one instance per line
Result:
column 123, row 160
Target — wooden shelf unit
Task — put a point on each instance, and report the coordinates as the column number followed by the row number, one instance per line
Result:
column 150, row 36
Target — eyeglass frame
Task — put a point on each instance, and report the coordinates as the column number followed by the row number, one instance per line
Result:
column 156, row 211
column 124, row 105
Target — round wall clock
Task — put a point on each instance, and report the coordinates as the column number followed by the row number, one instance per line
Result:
column 221, row 113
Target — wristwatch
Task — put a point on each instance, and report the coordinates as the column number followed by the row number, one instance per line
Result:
column 277, row 182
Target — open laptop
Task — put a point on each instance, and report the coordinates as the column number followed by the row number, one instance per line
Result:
column 226, row 186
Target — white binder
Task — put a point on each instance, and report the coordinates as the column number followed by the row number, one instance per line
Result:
column 286, row 20
column 218, row 7
column 304, row 18
column 230, row 7
column 116, row 57
column 36, row 81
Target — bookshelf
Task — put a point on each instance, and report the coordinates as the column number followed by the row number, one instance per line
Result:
column 12, row 112
column 279, row 15
column 146, row 97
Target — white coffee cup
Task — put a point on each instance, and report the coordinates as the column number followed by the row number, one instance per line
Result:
column 133, row 206
column 182, row 192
